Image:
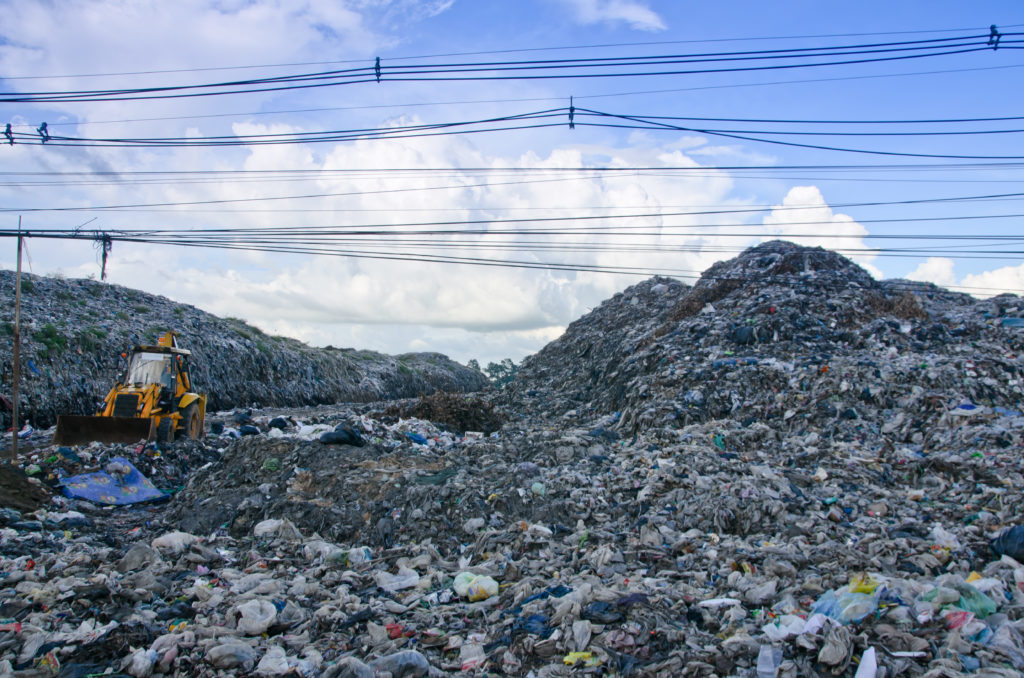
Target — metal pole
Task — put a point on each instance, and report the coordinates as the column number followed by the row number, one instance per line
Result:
column 17, row 355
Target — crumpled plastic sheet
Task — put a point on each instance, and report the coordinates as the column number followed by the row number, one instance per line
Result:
column 127, row 487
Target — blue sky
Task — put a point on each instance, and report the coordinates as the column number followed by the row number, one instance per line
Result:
column 491, row 313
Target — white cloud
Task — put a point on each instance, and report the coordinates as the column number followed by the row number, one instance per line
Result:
column 398, row 306
column 805, row 218
column 938, row 270
column 635, row 14
column 990, row 283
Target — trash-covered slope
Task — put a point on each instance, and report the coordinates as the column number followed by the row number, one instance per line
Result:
column 73, row 332
column 780, row 331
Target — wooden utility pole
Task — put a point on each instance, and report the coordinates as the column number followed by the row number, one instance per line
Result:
column 17, row 355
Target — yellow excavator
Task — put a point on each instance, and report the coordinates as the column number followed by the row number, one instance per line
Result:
column 155, row 400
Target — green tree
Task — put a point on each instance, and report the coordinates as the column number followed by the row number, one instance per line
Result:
column 473, row 364
column 501, row 373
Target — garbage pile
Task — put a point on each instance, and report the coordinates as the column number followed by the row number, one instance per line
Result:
column 616, row 523
column 74, row 331
column 781, row 331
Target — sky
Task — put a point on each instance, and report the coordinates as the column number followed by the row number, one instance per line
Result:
column 910, row 166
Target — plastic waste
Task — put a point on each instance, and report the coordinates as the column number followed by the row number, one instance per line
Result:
column 868, row 667
column 944, row 538
column 406, row 578
column 784, row 626
column 276, row 528
column 855, row 607
column 472, row 656
column 582, row 658
column 475, row 587
column 257, row 616
column 974, row 601
column 273, row 663
column 462, row 581
column 769, row 658
column 232, row 654
column 359, row 555
column 845, row 606
column 1010, row 542
column 481, row 588
column 174, row 542
column 140, row 663
column 863, row 583
column 827, row 604
column 406, row 663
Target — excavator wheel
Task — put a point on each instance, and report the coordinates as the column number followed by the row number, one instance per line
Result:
column 193, row 424
column 165, row 431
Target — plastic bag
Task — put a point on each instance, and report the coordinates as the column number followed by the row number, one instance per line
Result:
column 1010, row 542
column 827, row 604
column 232, row 654
column 257, row 616
column 481, row 588
column 359, row 555
column 405, row 579
column 974, row 601
column 768, row 660
column 855, row 607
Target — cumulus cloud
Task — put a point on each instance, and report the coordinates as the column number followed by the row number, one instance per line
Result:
column 807, row 219
column 990, row 283
column 398, row 306
column 938, row 270
column 635, row 14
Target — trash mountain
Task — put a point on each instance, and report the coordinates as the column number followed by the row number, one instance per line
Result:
column 788, row 469
column 74, row 331
column 781, row 335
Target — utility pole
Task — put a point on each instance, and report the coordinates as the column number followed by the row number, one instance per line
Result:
column 17, row 355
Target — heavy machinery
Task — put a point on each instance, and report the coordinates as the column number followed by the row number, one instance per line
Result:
column 155, row 399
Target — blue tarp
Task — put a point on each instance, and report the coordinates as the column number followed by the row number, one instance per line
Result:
column 103, row 488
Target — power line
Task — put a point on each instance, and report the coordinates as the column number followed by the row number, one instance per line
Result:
column 502, row 51
column 525, row 99
column 347, row 252
column 970, row 198
column 527, row 70
column 580, row 116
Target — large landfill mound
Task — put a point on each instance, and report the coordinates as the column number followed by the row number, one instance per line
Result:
column 787, row 469
column 73, row 332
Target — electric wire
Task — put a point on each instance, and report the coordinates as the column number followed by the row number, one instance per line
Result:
column 424, row 257
column 540, row 119
column 503, row 51
column 466, row 102
column 527, row 70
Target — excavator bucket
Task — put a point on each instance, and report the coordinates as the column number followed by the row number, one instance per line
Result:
column 78, row 430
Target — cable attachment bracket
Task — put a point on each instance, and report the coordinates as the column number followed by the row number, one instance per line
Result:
column 43, row 133
column 104, row 245
column 9, row 133
column 572, row 114
column 993, row 36
column 376, row 68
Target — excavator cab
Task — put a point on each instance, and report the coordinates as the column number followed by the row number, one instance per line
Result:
column 154, row 399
